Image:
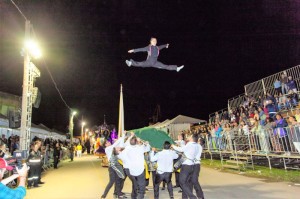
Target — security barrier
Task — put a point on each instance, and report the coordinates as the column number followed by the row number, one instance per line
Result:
column 278, row 147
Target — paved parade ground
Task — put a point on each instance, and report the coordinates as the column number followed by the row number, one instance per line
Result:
column 85, row 178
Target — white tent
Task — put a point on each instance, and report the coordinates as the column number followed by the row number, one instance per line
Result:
column 177, row 125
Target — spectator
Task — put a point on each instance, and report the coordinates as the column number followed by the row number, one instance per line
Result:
column 281, row 132
column 297, row 115
column 277, row 86
column 260, row 138
column 291, row 85
column 262, row 116
column 244, row 129
column 256, row 115
column 20, row 191
column 232, row 117
column 212, row 137
column 2, row 150
column 260, row 101
column 282, row 102
column 270, row 105
column 284, row 81
column 294, row 129
column 3, row 139
column 218, row 136
column 227, row 137
column 243, row 117
column 292, row 99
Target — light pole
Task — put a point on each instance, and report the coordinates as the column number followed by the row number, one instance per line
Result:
column 82, row 125
column 71, row 124
column 30, row 73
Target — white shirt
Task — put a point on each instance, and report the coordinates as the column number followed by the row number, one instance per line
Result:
column 133, row 157
column 246, row 130
column 198, row 156
column 109, row 149
column 190, row 150
column 164, row 160
column 127, row 143
column 181, row 143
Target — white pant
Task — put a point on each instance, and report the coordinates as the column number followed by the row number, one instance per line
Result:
column 79, row 153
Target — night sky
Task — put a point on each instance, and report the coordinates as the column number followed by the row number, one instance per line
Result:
column 224, row 44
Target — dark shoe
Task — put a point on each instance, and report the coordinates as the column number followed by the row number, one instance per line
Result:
column 36, row 186
column 122, row 195
column 176, row 186
column 180, row 191
column 163, row 188
column 41, row 183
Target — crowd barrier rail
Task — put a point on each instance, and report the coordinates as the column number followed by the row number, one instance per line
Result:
column 274, row 147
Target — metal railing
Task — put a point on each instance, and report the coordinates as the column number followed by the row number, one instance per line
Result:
column 212, row 116
column 263, row 86
column 272, row 143
column 266, row 85
column 236, row 101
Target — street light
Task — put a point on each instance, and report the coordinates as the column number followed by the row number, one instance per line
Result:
column 33, row 48
column 82, row 125
column 71, row 124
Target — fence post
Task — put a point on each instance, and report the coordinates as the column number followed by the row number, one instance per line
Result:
column 228, row 106
column 263, row 84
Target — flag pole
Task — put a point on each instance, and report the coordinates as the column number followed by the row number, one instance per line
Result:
column 121, row 114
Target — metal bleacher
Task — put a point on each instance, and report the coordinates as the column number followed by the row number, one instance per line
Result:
column 266, row 148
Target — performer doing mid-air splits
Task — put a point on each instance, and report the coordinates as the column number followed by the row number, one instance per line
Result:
column 153, row 52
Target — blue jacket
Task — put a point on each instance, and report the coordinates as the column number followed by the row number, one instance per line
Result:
column 277, row 84
column 291, row 84
column 280, row 130
column 218, row 132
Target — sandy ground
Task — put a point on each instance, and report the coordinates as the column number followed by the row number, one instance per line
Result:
column 86, row 179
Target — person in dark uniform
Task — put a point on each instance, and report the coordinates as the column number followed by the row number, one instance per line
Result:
column 56, row 154
column 153, row 53
column 40, row 154
column 88, row 146
column 34, row 161
column 71, row 149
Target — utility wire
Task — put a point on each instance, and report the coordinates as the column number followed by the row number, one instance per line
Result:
column 19, row 9
column 55, row 85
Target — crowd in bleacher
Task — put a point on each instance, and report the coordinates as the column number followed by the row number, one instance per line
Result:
column 258, row 122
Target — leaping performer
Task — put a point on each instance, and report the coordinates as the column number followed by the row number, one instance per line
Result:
column 153, row 53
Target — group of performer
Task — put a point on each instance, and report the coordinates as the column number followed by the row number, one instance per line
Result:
column 127, row 158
